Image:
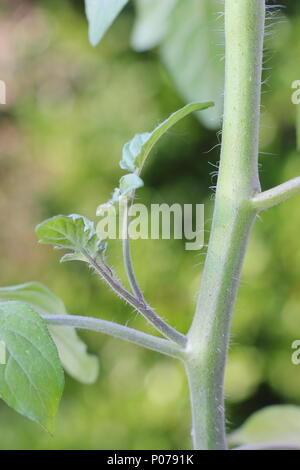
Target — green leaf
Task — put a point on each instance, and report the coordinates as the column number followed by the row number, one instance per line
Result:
column 278, row 423
column 100, row 15
column 192, row 56
column 132, row 150
column 115, row 199
column 137, row 150
column 72, row 232
column 129, row 183
column 72, row 351
column 32, row 379
column 152, row 23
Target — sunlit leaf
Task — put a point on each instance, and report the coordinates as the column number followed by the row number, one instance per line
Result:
column 72, row 351
column 71, row 232
column 32, row 379
column 100, row 15
column 278, row 423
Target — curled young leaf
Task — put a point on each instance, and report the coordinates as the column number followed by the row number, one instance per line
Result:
column 132, row 150
column 31, row 380
column 115, row 199
column 71, row 349
column 137, row 150
column 127, row 185
column 72, row 232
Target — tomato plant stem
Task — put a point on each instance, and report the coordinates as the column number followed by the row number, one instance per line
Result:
column 118, row 331
column 233, row 218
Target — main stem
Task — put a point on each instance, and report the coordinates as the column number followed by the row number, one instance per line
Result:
column 233, row 218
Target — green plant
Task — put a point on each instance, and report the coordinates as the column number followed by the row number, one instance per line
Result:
column 32, row 380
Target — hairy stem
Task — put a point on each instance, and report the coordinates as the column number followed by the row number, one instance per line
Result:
column 233, row 218
column 127, row 256
column 118, row 331
column 156, row 321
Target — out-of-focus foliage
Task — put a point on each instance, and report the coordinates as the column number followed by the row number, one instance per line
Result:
column 70, row 109
column 152, row 23
column 185, row 31
column 101, row 14
column 279, row 423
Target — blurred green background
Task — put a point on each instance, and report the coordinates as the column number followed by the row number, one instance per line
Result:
column 70, row 108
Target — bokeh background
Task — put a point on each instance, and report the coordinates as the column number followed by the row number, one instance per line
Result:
column 70, row 108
